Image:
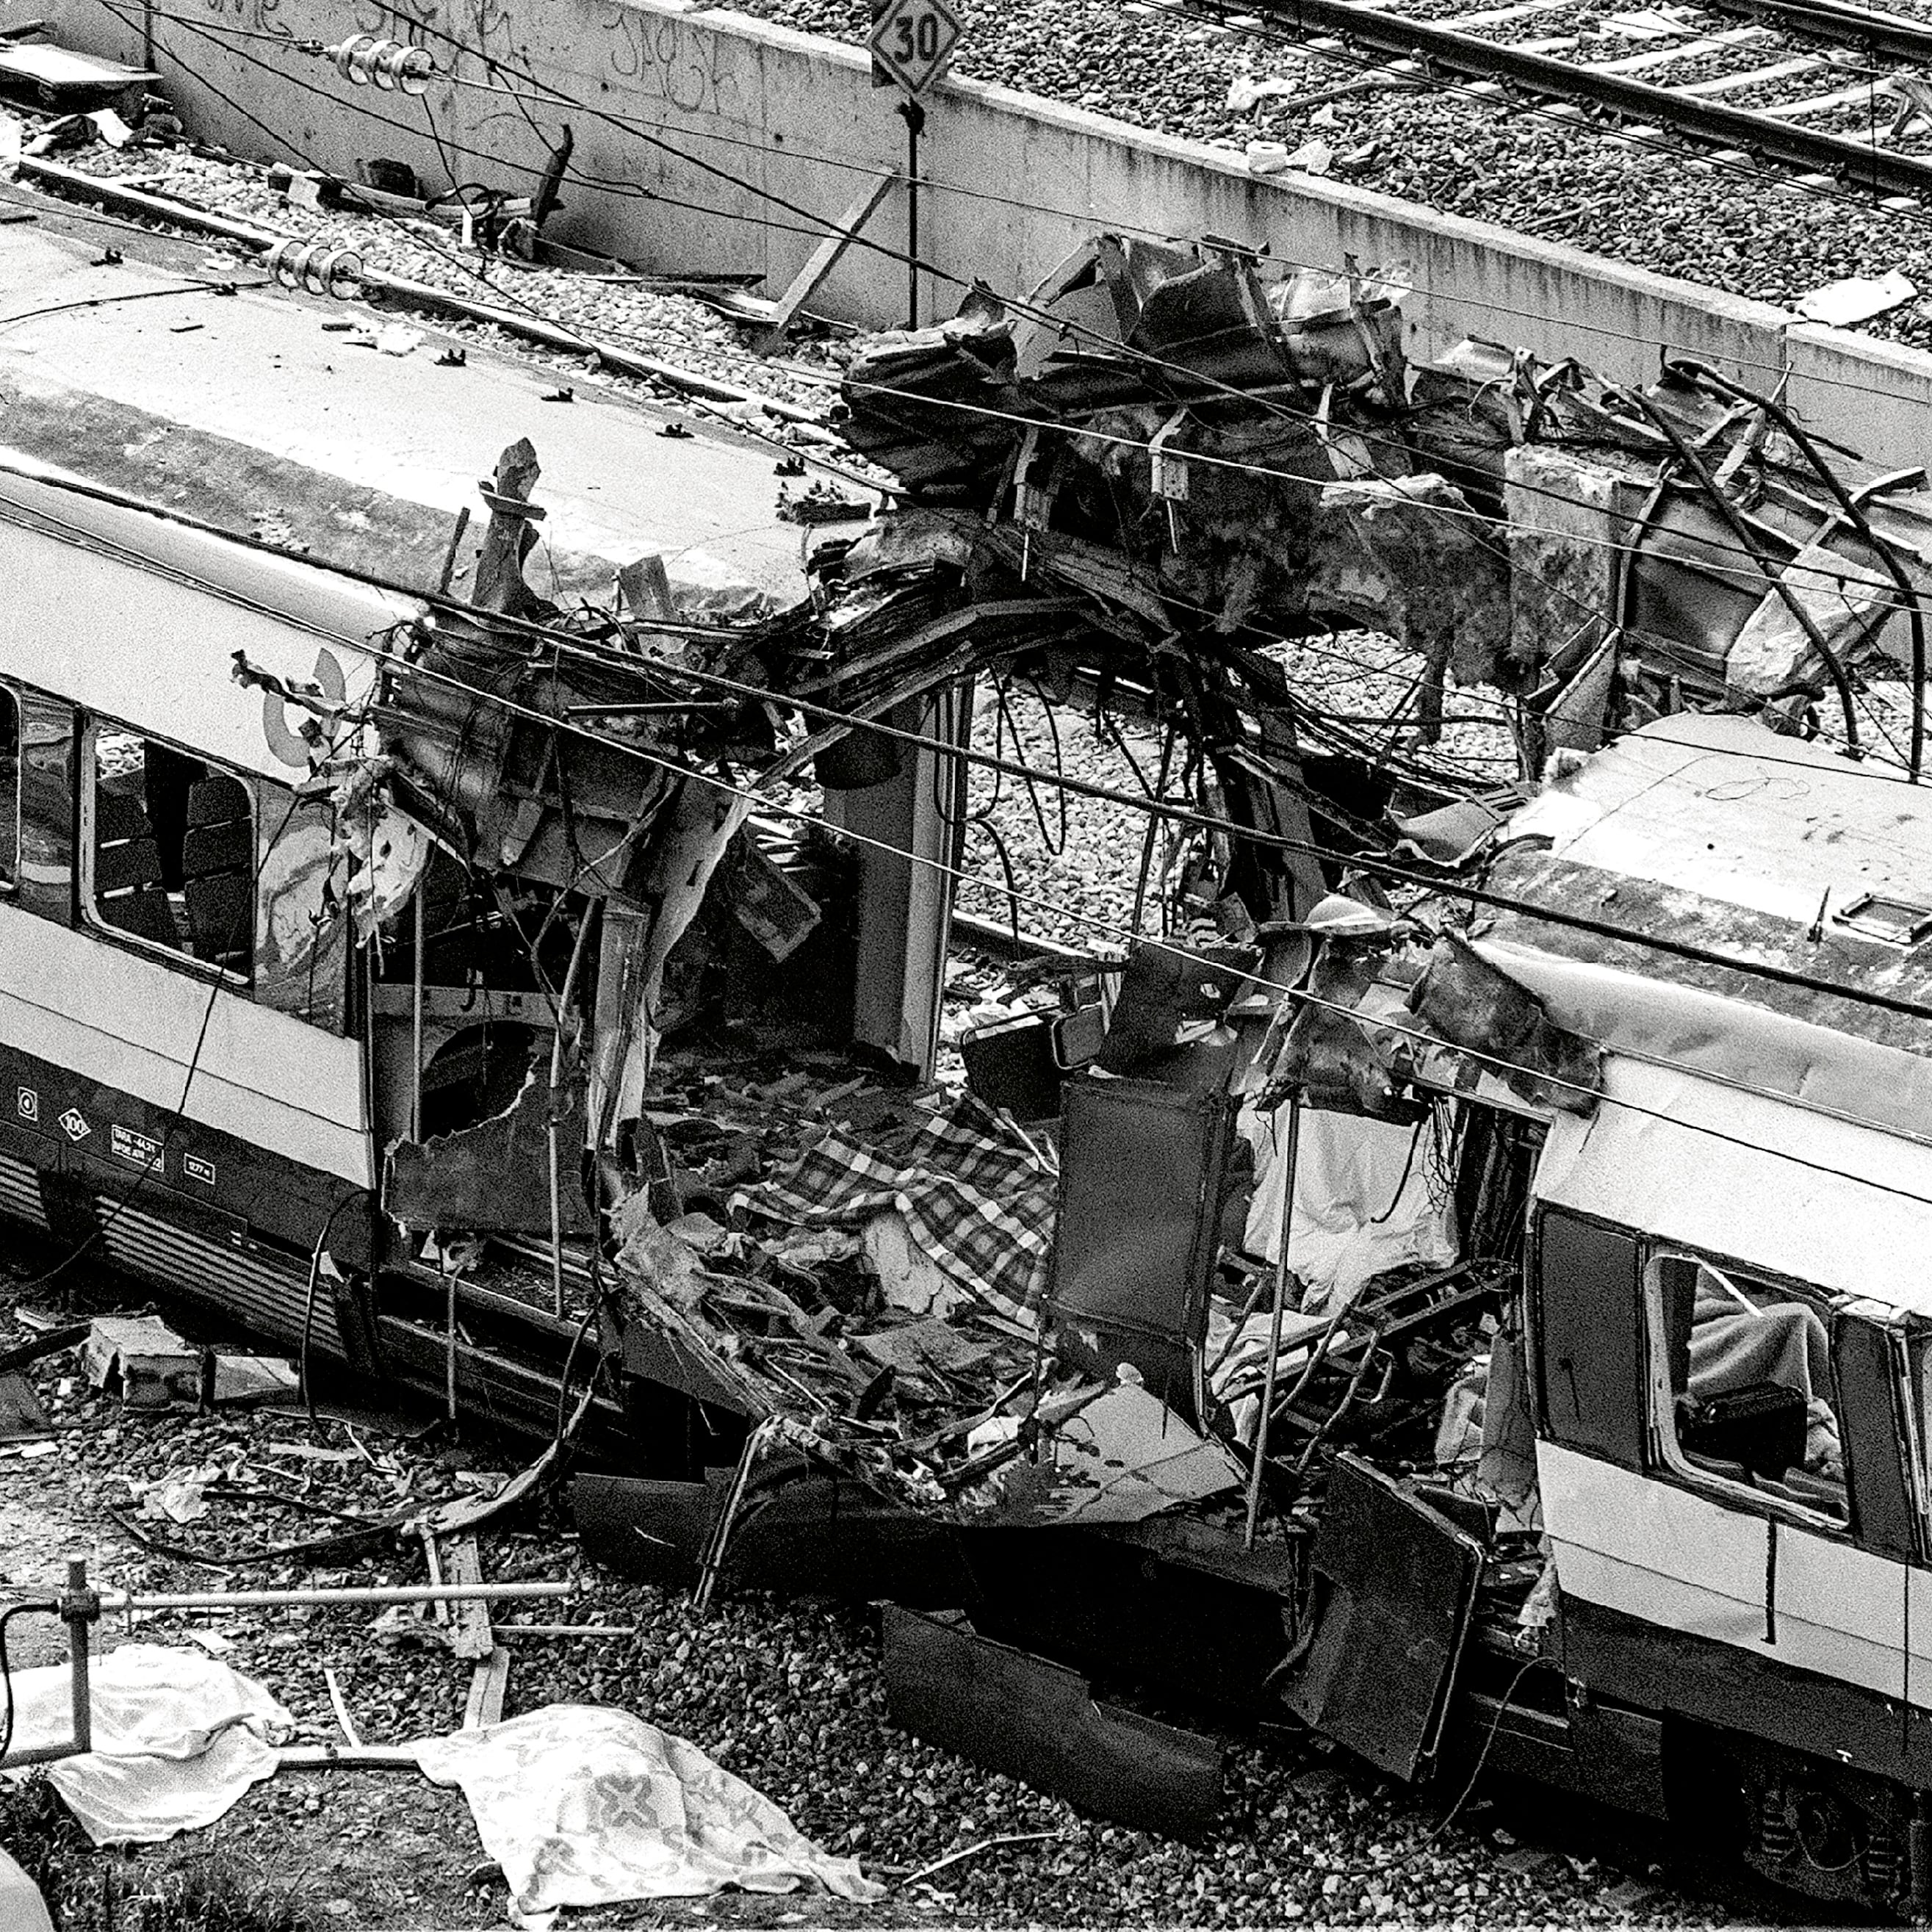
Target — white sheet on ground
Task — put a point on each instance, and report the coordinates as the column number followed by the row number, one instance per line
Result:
column 22, row 1907
column 177, row 1738
column 584, row 1805
column 1363, row 1201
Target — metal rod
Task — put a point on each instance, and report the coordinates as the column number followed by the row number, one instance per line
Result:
column 1854, row 512
column 449, row 1338
column 913, row 114
column 416, row 1022
column 372, row 1593
column 78, row 1633
column 569, row 1630
column 40, row 1754
column 1747, row 542
column 442, row 582
column 1290, row 1154
column 556, row 1085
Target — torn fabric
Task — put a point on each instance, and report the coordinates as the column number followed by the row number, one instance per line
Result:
column 178, row 1737
column 975, row 1194
column 1364, row 1202
column 583, row 1805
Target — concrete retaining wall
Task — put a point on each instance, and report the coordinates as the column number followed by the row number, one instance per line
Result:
column 731, row 143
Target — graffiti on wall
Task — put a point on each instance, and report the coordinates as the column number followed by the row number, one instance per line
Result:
column 669, row 60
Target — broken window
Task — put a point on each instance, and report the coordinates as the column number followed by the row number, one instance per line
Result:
column 301, row 940
column 1748, row 1384
column 170, row 848
column 10, row 787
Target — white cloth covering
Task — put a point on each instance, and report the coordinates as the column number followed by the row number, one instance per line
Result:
column 584, row 1805
column 22, row 1907
column 177, row 1738
column 1362, row 1200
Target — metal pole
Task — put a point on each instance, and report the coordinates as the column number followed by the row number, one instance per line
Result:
column 555, row 1086
column 1289, row 1155
column 416, row 1023
column 372, row 1593
column 913, row 114
column 449, row 1338
column 77, row 1621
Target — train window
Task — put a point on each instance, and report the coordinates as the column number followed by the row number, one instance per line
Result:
column 10, row 787
column 1748, row 1384
column 171, row 849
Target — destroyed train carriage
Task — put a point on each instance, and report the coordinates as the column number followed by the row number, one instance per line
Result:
column 394, row 926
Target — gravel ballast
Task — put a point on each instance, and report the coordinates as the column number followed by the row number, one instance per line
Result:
column 1750, row 233
column 788, row 1696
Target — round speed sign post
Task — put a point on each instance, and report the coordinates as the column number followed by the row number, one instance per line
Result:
column 912, row 43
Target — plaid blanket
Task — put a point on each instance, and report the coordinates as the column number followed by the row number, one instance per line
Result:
column 976, row 1194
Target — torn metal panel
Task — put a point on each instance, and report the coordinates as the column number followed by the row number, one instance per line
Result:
column 1038, row 1721
column 1407, row 557
column 798, row 1532
column 1169, row 1021
column 495, row 1176
column 1143, row 1168
column 1470, row 1002
column 1120, row 1457
column 1402, row 1588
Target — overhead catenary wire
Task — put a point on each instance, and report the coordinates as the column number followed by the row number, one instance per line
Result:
column 1500, row 1063
column 1427, row 81
column 1747, row 564
column 1391, row 870
column 709, row 679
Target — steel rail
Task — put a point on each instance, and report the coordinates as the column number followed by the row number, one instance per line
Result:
column 1891, row 36
column 1444, row 49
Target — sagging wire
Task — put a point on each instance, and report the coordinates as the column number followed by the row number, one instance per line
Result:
column 1383, row 868
column 1156, row 825
column 315, row 1254
column 1012, row 723
column 1018, row 305
column 1387, row 756
column 7, row 1616
column 1058, row 779
column 1449, row 1817
column 635, row 125
column 465, row 267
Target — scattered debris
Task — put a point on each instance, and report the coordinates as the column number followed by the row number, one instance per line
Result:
column 1844, row 305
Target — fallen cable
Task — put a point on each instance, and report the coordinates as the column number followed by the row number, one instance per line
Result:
column 984, row 1845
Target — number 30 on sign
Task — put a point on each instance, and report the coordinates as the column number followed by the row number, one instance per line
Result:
column 912, row 42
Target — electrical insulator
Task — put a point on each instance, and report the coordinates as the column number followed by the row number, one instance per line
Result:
column 390, row 65
column 321, row 270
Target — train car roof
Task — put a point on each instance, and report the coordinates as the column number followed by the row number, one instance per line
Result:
column 261, row 413
column 1711, row 830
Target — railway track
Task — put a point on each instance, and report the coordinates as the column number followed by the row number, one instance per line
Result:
column 1838, row 98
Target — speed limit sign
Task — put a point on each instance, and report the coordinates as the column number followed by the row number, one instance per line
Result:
column 912, row 42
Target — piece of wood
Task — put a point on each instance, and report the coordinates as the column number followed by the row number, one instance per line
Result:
column 70, row 1335
column 433, row 1558
column 342, row 1717
column 22, row 1418
column 823, row 259
column 486, row 1686
column 363, row 1757
column 474, row 1639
